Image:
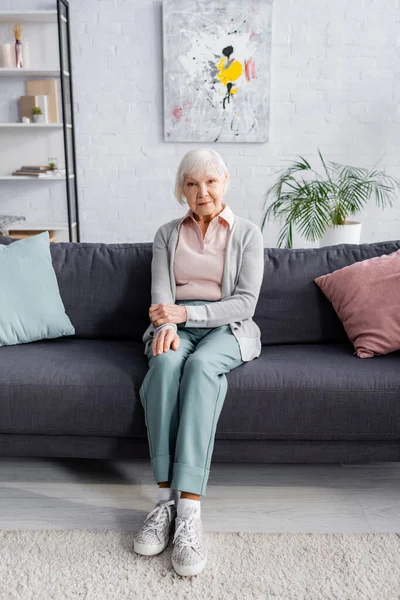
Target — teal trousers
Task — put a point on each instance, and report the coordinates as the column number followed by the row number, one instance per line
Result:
column 182, row 396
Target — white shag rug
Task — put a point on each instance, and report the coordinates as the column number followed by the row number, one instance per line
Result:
column 101, row 565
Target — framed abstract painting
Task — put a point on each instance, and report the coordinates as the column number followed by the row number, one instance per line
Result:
column 216, row 70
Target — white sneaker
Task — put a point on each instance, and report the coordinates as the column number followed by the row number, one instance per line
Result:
column 189, row 555
column 153, row 537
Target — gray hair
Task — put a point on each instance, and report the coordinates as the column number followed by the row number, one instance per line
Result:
column 196, row 162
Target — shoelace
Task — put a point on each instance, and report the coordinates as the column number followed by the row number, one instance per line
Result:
column 157, row 522
column 185, row 536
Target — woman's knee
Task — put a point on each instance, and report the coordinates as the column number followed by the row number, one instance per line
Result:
column 166, row 360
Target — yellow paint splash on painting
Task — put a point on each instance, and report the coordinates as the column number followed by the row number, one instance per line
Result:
column 230, row 74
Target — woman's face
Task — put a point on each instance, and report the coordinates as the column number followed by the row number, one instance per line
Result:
column 204, row 194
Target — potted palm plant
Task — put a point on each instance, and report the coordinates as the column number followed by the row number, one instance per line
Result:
column 319, row 208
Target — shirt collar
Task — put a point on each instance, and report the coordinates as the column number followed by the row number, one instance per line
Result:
column 225, row 214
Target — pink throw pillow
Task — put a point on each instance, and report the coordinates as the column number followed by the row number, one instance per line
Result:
column 366, row 298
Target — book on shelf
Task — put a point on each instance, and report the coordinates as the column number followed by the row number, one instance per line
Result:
column 47, row 87
column 33, row 168
column 27, row 103
column 39, row 171
column 25, row 173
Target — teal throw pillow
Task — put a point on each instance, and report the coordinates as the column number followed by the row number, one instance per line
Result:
column 31, row 307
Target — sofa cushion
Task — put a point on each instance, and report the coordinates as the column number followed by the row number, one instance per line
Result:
column 72, row 386
column 366, row 297
column 293, row 392
column 31, row 307
column 313, row 392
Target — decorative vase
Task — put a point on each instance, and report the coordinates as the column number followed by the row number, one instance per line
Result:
column 38, row 118
column 7, row 56
column 348, row 233
column 18, row 54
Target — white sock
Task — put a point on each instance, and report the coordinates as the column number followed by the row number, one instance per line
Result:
column 166, row 494
column 188, row 503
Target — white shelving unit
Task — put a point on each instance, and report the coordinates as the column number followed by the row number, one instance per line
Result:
column 59, row 229
column 11, row 72
column 33, row 16
column 28, row 178
column 33, row 143
column 34, row 125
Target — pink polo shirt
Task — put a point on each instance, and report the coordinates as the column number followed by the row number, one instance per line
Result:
column 199, row 264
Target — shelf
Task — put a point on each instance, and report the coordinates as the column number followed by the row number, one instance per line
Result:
column 25, row 177
column 34, row 125
column 54, row 27
column 34, row 16
column 53, row 226
column 14, row 72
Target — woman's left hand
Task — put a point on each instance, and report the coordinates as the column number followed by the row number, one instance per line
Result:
column 167, row 313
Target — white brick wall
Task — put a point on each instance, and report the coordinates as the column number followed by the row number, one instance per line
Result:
column 334, row 86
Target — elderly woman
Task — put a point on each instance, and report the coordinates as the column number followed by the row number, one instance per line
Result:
column 207, row 269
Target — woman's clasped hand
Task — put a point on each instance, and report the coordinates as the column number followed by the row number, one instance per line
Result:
column 167, row 313
column 166, row 338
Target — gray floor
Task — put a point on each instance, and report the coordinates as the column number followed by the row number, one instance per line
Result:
column 92, row 494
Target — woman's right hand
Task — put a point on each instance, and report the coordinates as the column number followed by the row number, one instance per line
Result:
column 165, row 339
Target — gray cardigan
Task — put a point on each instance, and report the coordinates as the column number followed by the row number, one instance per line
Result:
column 241, row 283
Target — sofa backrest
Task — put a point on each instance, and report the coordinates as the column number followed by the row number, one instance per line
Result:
column 105, row 289
column 291, row 307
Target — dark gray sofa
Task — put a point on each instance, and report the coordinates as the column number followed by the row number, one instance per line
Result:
column 306, row 399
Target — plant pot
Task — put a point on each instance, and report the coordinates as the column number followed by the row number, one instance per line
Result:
column 349, row 233
column 38, row 118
